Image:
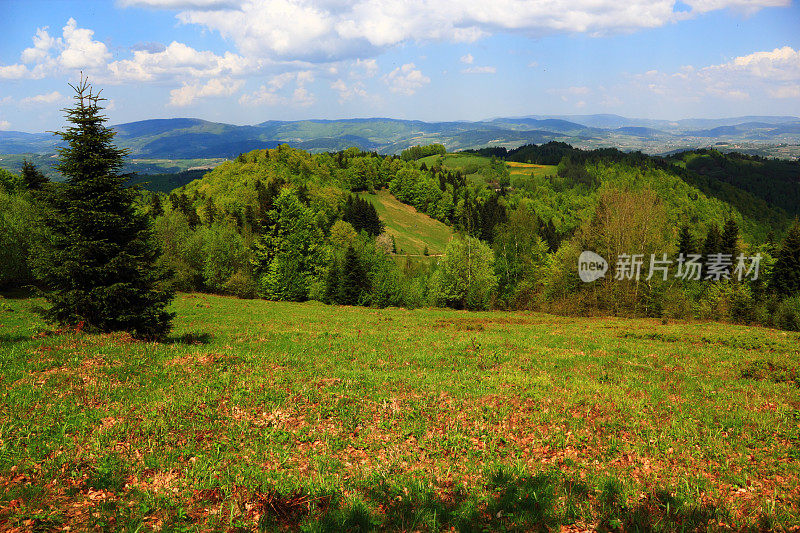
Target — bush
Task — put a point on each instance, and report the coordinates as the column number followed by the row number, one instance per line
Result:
column 728, row 301
column 241, row 285
column 788, row 314
column 465, row 277
column 676, row 304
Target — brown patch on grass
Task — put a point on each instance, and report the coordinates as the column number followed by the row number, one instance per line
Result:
column 478, row 324
column 196, row 358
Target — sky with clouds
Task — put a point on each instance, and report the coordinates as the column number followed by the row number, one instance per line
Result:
column 248, row 61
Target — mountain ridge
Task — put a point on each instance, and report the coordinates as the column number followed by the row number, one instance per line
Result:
column 188, row 138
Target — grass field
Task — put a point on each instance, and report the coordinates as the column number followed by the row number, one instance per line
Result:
column 412, row 230
column 526, row 169
column 264, row 415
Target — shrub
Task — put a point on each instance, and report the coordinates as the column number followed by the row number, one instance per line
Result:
column 788, row 314
column 241, row 285
column 676, row 304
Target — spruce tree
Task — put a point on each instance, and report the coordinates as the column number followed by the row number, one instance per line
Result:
column 686, row 244
column 32, row 179
column 353, row 279
column 100, row 267
column 713, row 242
column 729, row 241
column 786, row 272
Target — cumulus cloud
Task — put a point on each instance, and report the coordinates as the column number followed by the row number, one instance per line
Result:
column 5, row 125
column 76, row 49
column 48, row 98
column 772, row 74
column 189, row 93
column 277, row 91
column 181, row 4
column 364, row 68
column 467, row 59
column 479, row 70
column 14, row 72
column 406, row 79
column 346, row 92
column 178, row 60
column 80, row 50
column 330, row 30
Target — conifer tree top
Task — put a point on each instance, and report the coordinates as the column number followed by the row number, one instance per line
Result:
column 89, row 152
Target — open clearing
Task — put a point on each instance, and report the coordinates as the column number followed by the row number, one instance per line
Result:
column 412, row 230
column 262, row 415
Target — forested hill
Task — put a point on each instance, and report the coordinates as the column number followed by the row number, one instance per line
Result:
column 765, row 191
column 475, row 192
column 358, row 227
column 189, row 138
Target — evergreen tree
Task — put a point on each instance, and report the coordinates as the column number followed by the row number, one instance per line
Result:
column 332, row 284
column 32, row 179
column 353, row 279
column 686, row 244
column 786, row 272
column 101, row 264
column 156, row 206
column 729, row 240
column 713, row 242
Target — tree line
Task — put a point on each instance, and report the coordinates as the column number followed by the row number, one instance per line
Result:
column 284, row 224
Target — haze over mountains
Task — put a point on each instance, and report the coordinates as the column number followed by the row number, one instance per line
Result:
column 188, row 138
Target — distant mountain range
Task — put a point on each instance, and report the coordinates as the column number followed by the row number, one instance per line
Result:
column 189, row 138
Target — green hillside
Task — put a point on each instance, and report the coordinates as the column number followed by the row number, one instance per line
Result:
column 295, row 414
column 413, row 231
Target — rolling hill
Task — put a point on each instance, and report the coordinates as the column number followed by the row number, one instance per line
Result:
column 189, row 138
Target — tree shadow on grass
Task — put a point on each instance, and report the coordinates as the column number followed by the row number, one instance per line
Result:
column 20, row 293
column 193, row 338
column 10, row 338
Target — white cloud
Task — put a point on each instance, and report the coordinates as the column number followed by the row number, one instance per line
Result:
column 786, row 91
column 302, row 98
column 180, row 4
column 273, row 93
column 479, row 70
column 745, row 6
column 178, row 60
column 263, row 96
column 331, row 30
column 364, row 68
column 467, row 59
column 79, row 50
column 768, row 74
column 14, row 72
column 188, row 93
column 578, row 90
column 346, row 92
column 42, row 44
column 781, row 64
column 49, row 98
column 74, row 50
column 5, row 125
column 406, row 79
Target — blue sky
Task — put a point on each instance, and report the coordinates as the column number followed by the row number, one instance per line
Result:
column 248, row 61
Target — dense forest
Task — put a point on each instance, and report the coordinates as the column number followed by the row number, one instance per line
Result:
column 285, row 224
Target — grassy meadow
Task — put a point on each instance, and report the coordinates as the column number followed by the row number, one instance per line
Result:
column 413, row 231
column 260, row 415
column 530, row 169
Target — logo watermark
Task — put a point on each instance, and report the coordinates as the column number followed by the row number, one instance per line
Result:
column 591, row 266
column 715, row 267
